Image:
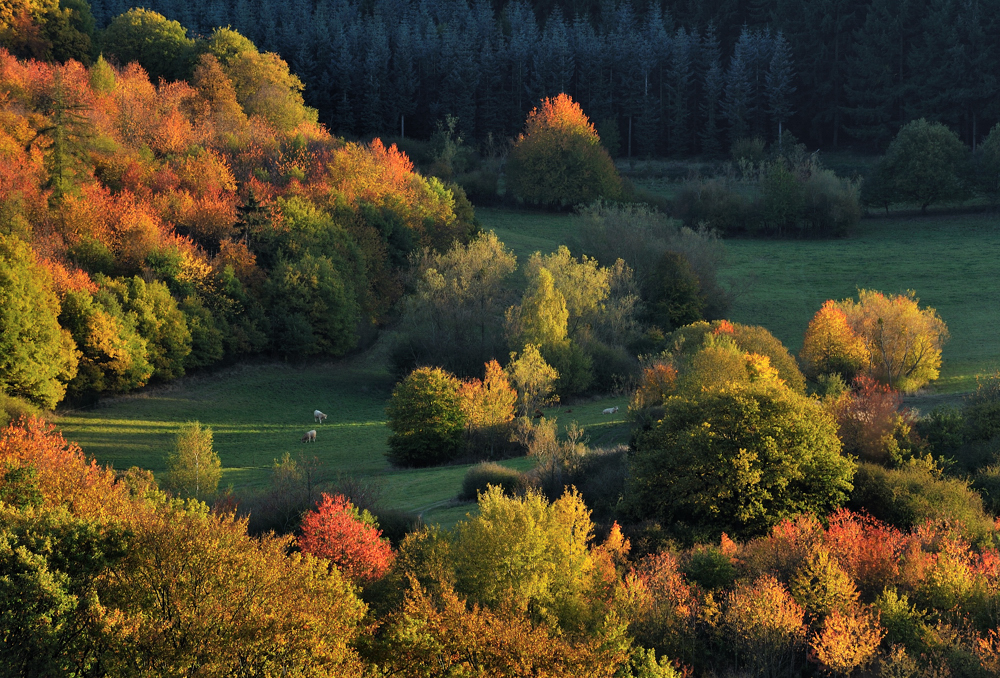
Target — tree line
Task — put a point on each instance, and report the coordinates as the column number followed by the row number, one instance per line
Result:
column 674, row 78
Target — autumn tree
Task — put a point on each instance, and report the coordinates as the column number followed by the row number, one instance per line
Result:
column 831, row 346
column 426, row 419
column 559, row 160
column 902, row 341
column 37, row 357
column 542, row 317
column 349, row 538
column 159, row 45
column 457, row 637
column 193, row 467
column 583, row 283
column 266, row 87
column 533, row 378
column 488, row 405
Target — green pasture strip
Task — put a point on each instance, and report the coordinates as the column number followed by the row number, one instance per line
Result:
column 526, row 232
column 258, row 412
column 950, row 261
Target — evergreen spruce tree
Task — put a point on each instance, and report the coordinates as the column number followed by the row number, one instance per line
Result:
column 739, row 91
column 779, row 85
column 713, row 89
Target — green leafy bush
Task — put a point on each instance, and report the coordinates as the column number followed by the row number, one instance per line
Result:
column 737, row 460
column 426, row 419
column 908, row 496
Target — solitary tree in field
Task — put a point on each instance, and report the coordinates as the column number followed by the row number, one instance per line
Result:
column 924, row 165
column 194, row 468
column 559, row 160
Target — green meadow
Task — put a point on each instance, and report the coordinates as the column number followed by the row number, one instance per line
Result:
column 258, row 411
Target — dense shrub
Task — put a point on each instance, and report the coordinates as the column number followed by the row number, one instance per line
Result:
column 641, row 236
column 12, row 409
column 559, row 160
column 910, row 495
column 803, row 199
column 479, row 477
column 737, row 460
column 426, row 419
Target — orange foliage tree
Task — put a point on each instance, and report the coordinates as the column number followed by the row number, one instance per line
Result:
column 559, row 160
column 349, row 538
column 831, row 345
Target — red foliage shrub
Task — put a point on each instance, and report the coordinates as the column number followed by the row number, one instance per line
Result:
column 337, row 531
column 868, row 549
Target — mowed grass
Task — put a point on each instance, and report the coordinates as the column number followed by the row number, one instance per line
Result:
column 950, row 261
column 259, row 411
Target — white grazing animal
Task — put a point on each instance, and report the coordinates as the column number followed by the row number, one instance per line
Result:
column 309, row 437
column 318, row 416
column 609, row 410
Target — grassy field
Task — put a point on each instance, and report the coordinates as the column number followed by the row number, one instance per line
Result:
column 949, row 260
column 258, row 412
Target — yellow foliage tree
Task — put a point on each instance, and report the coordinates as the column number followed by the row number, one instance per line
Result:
column 831, row 345
column 584, row 284
column 847, row 641
column 542, row 318
column 194, row 468
column 903, row 341
column 533, row 378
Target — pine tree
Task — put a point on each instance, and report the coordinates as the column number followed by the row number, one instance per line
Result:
column 713, row 88
column 739, row 91
column 779, row 85
column 553, row 62
column 681, row 80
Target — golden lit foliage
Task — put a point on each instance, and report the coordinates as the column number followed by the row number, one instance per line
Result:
column 456, row 638
column 193, row 589
column 196, row 590
column 656, row 385
column 559, row 160
column 64, row 476
column 542, row 317
column 831, row 345
column 584, row 284
column 848, row 640
column 764, row 625
column 822, row 586
column 489, row 402
column 533, row 378
column 902, row 340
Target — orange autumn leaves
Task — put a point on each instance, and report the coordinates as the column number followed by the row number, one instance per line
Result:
column 886, row 337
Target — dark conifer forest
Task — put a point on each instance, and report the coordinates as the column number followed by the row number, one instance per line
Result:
column 678, row 75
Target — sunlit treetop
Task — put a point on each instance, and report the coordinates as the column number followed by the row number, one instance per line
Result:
column 563, row 114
